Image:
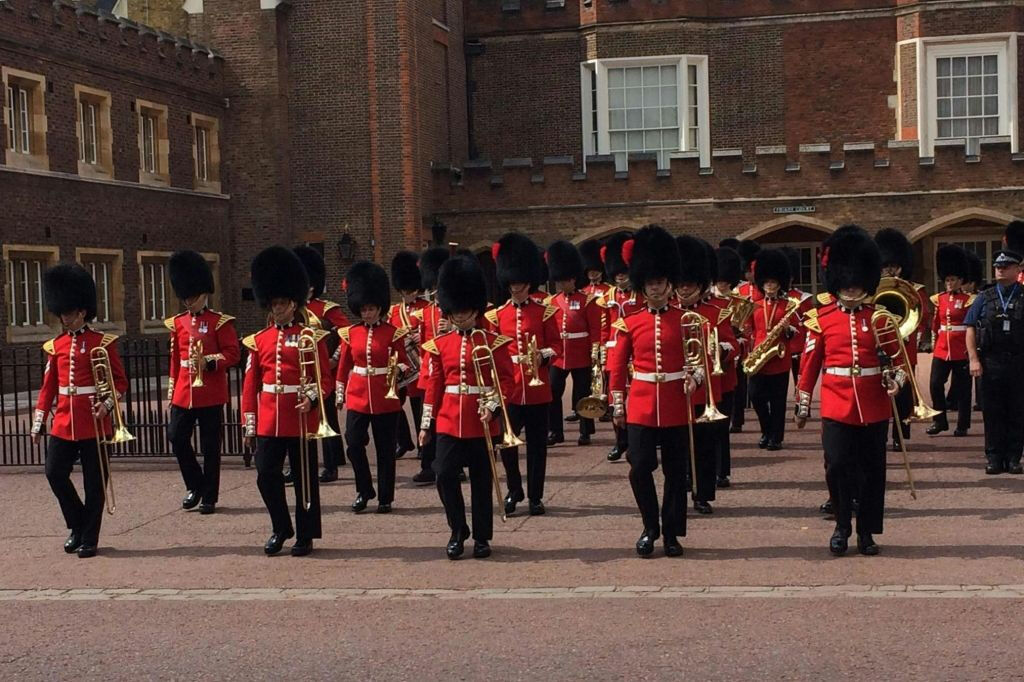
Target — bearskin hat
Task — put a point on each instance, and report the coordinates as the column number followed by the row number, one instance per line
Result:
column 461, row 286
column 516, row 260
column 564, row 261
column 277, row 272
column 772, row 264
column 430, row 263
column 652, row 254
column 405, row 272
column 851, row 258
column 68, row 287
column 1013, row 237
column 693, row 261
column 730, row 268
column 975, row 269
column 590, row 252
column 730, row 243
column 316, row 269
column 709, row 253
column 611, row 254
column 190, row 274
column 367, row 284
column 951, row 261
column 748, row 250
column 896, row 250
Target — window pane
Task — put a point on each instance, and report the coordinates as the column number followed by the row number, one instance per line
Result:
column 669, row 95
column 668, row 74
column 974, row 106
column 651, row 76
column 615, row 78
column 974, row 66
column 616, row 119
column 974, row 127
column 960, row 86
column 634, row 118
column 617, row 141
column 974, row 86
column 945, row 129
column 991, row 64
column 991, row 126
column 991, row 86
column 945, row 108
column 942, row 66
column 652, row 139
column 991, row 106
column 960, row 128
column 943, row 87
column 632, row 77
column 635, row 141
column 692, row 138
column 652, row 118
column 669, row 116
column 651, row 98
column 960, row 106
column 616, row 98
column 670, row 138
column 959, row 66
column 634, row 97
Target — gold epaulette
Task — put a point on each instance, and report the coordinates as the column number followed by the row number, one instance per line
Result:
column 549, row 310
column 824, row 298
column 431, row 347
column 723, row 315
column 811, row 320
column 169, row 322
column 48, row 347
column 591, row 297
column 620, row 324
column 311, row 319
column 344, row 332
column 492, row 316
column 970, row 300
column 917, row 286
column 320, row 334
column 329, row 304
column 549, row 298
column 934, row 298
column 500, row 341
column 400, row 332
column 418, row 314
column 108, row 339
column 224, row 319
column 250, row 342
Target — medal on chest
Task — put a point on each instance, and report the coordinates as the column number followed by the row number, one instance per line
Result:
column 204, row 327
column 291, row 341
column 574, row 305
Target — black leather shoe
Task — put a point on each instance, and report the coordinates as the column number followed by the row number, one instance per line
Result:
column 555, row 439
column 702, row 507
column 960, row 433
column 838, row 543
column 993, row 469
column 936, row 428
column 826, row 507
column 289, row 477
column 481, row 549
column 276, row 542
column 614, row 455
column 763, row 443
column 645, row 545
column 400, row 451
column 383, row 508
column 328, row 475
column 583, row 440
column 361, row 502
column 672, row 547
column 723, row 482
column 537, row 508
column 511, row 499
column 86, row 551
column 207, row 508
column 456, row 545
column 572, row 418
column 424, row 477
column 192, row 498
column 302, row 547
column 866, row 545
column 773, row 446
column 73, row 542
column 1015, row 469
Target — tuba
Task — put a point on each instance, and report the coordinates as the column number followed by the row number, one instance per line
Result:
column 102, row 378
column 899, row 297
column 772, row 346
column 594, row 405
column 310, row 375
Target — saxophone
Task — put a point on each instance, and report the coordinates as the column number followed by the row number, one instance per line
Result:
column 772, row 345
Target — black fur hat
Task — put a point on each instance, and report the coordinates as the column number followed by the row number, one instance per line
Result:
column 851, row 258
column 277, row 272
column 652, row 254
column 590, row 252
column 975, row 269
column 564, row 261
column 951, row 261
column 190, row 274
column 405, row 272
column 68, row 287
column 693, row 261
column 611, row 254
column 896, row 250
column 772, row 264
column 367, row 284
column 709, row 253
column 730, row 243
column 316, row 269
column 516, row 260
column 430, row 264
column 1013, row 236
column 730, row 268
column 461, row 286
column 748, row 250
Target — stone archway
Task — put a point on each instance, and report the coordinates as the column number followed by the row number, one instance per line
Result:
column 608, row 230
column 783, row 222
column 967, row 215
column 976, row 229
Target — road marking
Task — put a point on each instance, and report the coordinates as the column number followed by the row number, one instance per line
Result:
column 579, row 592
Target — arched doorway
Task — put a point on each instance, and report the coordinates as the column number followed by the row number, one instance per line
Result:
column 801, row 233
column 978, row 230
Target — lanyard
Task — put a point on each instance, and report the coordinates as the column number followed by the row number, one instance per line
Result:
column 1005, row 302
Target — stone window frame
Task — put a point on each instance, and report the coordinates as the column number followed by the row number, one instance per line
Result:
column 112, row 291
column 35, row 86
column 103, row 168
column 211, row 127
column 599, row 68
column 49, row 324
column 161, row 176
column 170, row 305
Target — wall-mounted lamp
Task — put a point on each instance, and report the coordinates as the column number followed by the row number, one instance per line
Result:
column 346, row 245
column 438, row 231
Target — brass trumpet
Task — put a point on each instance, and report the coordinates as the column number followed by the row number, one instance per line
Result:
column 392, row 377
column 594, row 405
column 533, row 361
column 102, row 378
column 196, row 356
column 310, row 373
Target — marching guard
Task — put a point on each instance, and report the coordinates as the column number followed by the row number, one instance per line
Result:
column 85, row 376
column 286, row 379
column 728, row 273
column 204, row 344
column 593, row 268
column 407, row 280
column 950, row 348
column 662, row 386
column 748, row 250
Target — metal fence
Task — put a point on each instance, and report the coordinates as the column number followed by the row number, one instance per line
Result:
column 144, row 406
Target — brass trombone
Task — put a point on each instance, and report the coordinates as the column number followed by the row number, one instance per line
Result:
column 310, row 373
column 102, row 379
column 595, row 404
column 482, row 356
column 692, row 326
column 196, row 356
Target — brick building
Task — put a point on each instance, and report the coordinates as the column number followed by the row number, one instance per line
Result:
column 367, row 126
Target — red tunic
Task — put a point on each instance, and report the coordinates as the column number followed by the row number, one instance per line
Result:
column 948, row 325
column 767, row 313
column 365, row 352
column 401, row 315
column 453, row 394
column 578, row 316
column 216, row 332
column 796, row 343
column 712, row 313
column 842, row 342
column 270, row 392
column 653, row 342
column 68, row 378
column 726, row 337
column 619, row 303
column 429, row 317
column 329, row 311
column 521, row 323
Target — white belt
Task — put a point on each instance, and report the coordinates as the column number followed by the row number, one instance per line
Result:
column 659, row 377
column 279, row 388
column 609, row 344
column 370, row 371
column 76, row 390
column 575, row 335
column 520, row 359
column 953, row 328
column 853, row 371
column 463, row 389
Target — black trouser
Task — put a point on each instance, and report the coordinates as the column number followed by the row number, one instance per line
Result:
column 580, row 390
column 739, row 406
column 855, row 469
column 357, row 426
column 409, row 439
column 1004, row 407
column 60, row 460
column 959, row 390
column 534, row 418
column 904, row 406
column 795, row 363
column 643, row 460
column 452, row 455
column 427, row 453
column 621, row 438
column 270, row 455
column 705, row 457
column 182, row 422
column 768, row 394
column 723, row 448
column 334, row 452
